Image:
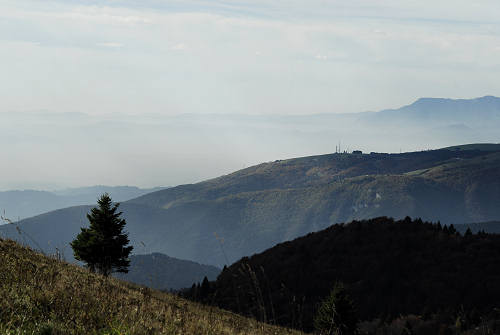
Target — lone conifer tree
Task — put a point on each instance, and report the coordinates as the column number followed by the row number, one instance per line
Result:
column 104, row 245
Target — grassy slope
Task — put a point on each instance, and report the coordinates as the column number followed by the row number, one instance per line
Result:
column 476, row 146
column 41, row 295
column 300, row 173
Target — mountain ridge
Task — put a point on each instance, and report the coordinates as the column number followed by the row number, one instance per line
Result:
column 470, row 112
column 21, row 204
column 220, row 220
column 217, row 144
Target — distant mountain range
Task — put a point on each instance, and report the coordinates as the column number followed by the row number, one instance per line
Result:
column 221, row 220
column 161, row 272
column 21, row 204
column 437, row 112
column 177, row 149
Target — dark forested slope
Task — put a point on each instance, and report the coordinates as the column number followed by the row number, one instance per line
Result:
column 162, row 272
column 390, row 268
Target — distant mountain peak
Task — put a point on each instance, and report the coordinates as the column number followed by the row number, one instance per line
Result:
column 474, row 113
column 489, row 97
column 427, row 100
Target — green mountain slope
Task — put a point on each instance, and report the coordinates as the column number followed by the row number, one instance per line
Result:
column 221, row 220
column 41, row 295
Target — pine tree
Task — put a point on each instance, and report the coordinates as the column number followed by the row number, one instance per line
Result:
column 104, row 245
column 205, row 288
column 468, row 232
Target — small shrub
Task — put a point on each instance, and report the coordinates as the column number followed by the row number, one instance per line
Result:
column 336, row 314
column 46, row 329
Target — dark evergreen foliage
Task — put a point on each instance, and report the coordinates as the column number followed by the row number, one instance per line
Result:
column 336, row 314
column 104, row 245
column 391, row 268
column 468, row 232
column 452, row 229
column 205, row 288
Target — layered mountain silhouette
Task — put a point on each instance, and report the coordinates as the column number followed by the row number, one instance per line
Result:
column 438, row 111
column 195, row 147
column 21, row 204
column 221, row 220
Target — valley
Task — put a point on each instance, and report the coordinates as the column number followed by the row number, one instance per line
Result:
column 218, row 221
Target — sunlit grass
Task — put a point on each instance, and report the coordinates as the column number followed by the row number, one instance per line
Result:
column 41, row 295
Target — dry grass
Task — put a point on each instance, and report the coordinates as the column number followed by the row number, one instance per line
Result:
column 40, row 295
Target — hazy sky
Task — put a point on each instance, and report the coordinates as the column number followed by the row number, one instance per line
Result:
column 109, row 59
column 272, row 56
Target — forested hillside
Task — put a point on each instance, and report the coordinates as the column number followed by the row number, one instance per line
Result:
column 390, row 268
column 221, row 220
column 491, row 227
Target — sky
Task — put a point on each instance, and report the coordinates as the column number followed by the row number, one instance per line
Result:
column 122, row 71
column 245, row 57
